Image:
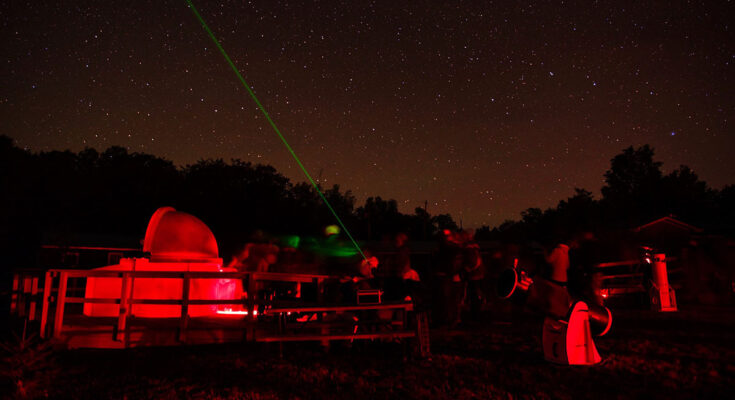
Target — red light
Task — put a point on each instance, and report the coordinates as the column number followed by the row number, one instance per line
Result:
column 230, row 311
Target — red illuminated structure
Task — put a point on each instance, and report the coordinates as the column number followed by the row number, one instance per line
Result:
column 663, row 297
column 176, row 242
column 179, row 293
column 569, row 325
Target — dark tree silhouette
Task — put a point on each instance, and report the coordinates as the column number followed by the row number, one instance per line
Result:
column 635, row 192
column 56, row 194
column 684, row 195
column 724, row 211
column 378, row 217
column 53, row 196
column 632, row 191
column 444, row 221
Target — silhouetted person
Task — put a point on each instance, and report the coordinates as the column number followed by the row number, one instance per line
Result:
column 584, row 282
column 450, row 290
column 474, row 271
column 558, row 259
column 394, row 266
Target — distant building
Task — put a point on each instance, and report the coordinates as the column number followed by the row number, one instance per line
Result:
column 667, row 234
column 706, row 262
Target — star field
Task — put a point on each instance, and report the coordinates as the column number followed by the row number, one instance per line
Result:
column 481, row 109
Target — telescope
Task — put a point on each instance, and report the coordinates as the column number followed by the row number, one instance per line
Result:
column 569, row 324
column 656, row 281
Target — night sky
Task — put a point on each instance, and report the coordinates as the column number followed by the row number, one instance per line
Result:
column 481, row 108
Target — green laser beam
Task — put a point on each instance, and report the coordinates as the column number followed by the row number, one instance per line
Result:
column 273, row 124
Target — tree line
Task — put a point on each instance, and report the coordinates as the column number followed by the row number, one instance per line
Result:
column 56, row 193
column 636, row 192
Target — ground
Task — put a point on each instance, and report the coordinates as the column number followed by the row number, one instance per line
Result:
column 683, row 355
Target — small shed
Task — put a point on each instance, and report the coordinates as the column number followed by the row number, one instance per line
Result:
column 666, row 234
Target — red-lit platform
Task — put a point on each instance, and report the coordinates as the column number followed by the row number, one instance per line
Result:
column 181, row 294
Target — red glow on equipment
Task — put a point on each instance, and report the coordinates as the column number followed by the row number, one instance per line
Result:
column 568, row 326
column 663, row 297
column 570, row 341
column 230, row 311
column 176, row 236
column 177, row 242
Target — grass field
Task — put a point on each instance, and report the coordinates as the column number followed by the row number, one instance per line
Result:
column 685, row 355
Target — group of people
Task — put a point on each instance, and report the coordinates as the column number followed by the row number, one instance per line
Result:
column 454, row 287
column 458, row 281
column 329, row 255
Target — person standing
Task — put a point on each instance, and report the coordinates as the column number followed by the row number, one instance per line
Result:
column 474, row 270
column 558, row 259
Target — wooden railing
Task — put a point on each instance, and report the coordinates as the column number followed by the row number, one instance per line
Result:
column 26, row 295
column 281, row 312
column 623, row 277
column 49, row 293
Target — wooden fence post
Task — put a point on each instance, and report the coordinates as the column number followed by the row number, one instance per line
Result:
column 60, row 300
column 24, row 291
column 184, row 321
column 14, row 296
column 319, row 282
column 422, row 333
column 124, row 309
column 34, row 299
column 47, row 285
column 252, row 287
